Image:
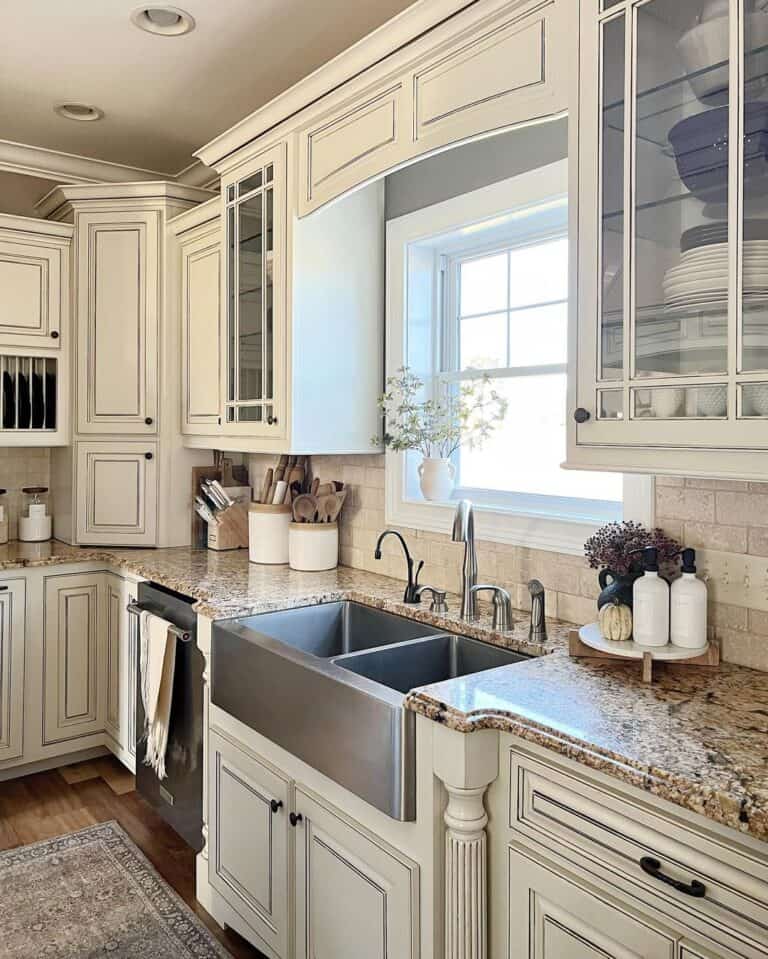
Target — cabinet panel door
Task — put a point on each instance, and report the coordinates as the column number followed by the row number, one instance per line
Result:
column 248, row 853
column 357, row 142
column 201, row 333
column 354, row 896
column 12, row 624
column 551, row 916
column 503, row 73
column 72, row 657
column 129, row 685
column 117, row 494
column 114, row 613
column 117, row 309
column 32, row 283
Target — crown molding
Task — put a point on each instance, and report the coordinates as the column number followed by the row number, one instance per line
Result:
column 387, row 39
column 62, row 167
column 199, row 215
column 197, row 174
column 61, row 197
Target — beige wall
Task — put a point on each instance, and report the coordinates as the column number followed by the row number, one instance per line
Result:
column 720, row 515
column 19, row 468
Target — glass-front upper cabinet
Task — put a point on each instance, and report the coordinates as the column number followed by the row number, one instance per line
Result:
column 671, row 352
column 254, row 266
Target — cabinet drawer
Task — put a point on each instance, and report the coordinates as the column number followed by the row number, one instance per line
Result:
column 505, row 72
column 117, row 494
column 600, row 831
column 351, row 146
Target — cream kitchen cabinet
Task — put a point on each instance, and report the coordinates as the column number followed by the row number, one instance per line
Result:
column 306, row 881
column 120, row 644
column 199, row 240
column 303, row 305
column 119, row 484
column 73, row 660
column 34, row 282
column 118, row 309
column 12, row 627
column 249, row 869
column 354, row 897
column 117, row 495
column 669, row 345
column 556, row 916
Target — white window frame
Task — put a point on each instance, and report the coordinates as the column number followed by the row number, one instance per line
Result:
column 558, row 534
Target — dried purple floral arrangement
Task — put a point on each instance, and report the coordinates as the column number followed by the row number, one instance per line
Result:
column 613, row 545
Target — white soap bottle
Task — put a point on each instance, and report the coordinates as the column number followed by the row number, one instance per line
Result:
column 650, row 603
column 688, row 606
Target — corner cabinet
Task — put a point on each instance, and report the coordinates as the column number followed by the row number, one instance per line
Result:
column 669, row 346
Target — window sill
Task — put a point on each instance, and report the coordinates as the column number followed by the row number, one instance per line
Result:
column 558, row 535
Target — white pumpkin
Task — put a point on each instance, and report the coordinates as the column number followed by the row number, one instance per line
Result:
column 615, row 621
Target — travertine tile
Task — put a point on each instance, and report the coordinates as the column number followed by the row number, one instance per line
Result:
column 742, row 509
column 687, row 504
column 730, row 539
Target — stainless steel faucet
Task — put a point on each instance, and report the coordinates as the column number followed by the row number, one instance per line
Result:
column 538, row 631
column 464, row 532
column 502, row 607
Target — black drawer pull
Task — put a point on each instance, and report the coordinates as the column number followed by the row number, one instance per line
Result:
column 54, row 334
column 581, row 415
column 275, row 804
column 652, row 867
column 295, row 818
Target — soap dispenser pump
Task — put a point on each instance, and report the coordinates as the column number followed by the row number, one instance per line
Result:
column 688, row 606
column 650, row 602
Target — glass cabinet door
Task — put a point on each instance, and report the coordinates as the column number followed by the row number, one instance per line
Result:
column 680, row 352
column 253, row 264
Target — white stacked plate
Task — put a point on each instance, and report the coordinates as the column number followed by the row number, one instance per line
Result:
column 701, row 277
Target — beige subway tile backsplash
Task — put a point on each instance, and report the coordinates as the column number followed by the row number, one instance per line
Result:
column 20, row 468
column 719, row 515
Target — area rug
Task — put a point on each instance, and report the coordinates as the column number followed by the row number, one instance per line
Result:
column 93, row 893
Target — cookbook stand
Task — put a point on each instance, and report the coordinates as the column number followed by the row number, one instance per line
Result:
column 588, row 643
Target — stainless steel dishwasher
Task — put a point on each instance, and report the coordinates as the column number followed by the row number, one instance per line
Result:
column 179, row 797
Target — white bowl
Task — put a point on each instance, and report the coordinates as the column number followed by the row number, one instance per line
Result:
column 711, row 401
column 705, row 46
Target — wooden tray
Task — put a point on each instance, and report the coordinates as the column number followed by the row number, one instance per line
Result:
column 588, row 643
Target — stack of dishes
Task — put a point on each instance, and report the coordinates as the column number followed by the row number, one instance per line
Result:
column 701, row 277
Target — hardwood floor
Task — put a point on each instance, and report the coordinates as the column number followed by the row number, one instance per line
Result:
column 60, row 801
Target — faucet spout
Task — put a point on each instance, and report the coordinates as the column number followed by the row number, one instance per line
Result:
column 464, row 532
column 411, row 594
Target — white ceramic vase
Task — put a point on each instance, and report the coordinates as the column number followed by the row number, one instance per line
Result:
column 436, row 477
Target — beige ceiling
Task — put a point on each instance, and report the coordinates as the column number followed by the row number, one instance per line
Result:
column 163, row 97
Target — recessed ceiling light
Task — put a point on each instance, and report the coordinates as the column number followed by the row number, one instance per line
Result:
column 84, row 112
column 163, row 21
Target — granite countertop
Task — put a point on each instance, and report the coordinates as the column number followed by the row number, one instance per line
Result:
column 697, row 738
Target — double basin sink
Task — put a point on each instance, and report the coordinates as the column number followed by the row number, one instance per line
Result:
column 328, row 684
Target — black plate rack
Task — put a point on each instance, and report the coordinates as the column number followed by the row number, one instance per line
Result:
column 28, row 393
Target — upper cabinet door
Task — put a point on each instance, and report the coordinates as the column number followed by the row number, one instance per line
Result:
column 33, row 290
column 117, row 321
column 254, row 352
column 673, row 238
column 201, row 332
column 355, row 142
column 508, row 70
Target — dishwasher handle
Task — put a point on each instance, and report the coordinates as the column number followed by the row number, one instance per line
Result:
column 184, row 635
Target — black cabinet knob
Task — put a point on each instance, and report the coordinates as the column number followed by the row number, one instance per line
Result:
column 54, row 334
column 149, row 421
column 581, row 415
column 271, row 420
column 295, row 818
column 149, row 456
column 275, row 804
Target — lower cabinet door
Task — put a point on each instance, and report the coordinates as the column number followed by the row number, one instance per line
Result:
column 552, row 916
column 248, row 839
column 113, row 614
column 117, row 494
column 12, row 625
column 355, row 897
column 129, row 687
column 71, row 654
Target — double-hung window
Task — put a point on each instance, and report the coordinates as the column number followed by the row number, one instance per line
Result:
column 478, row 287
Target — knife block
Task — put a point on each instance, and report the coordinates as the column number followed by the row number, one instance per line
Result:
column 231, row 529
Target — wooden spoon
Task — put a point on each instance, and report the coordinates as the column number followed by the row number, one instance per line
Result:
column 304, row 508
column 338, row 503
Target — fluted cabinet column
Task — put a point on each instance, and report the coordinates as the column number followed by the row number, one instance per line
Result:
column 466, row 764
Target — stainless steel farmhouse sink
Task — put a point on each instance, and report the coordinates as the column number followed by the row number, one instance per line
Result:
column 328, row 684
